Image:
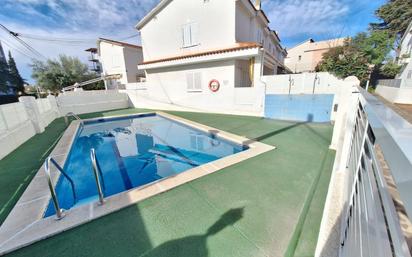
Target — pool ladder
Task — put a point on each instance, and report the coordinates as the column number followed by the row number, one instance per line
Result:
column 72, row 114
column 97, row 174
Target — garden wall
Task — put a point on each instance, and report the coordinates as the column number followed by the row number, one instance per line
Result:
column 20, row 121
column 80, row 102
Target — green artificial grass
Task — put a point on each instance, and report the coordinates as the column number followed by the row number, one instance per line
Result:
column 270, row 205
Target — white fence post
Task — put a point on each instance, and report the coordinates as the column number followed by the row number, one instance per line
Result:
column 33, row 112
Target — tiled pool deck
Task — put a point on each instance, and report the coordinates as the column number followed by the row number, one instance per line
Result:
column 269, row 205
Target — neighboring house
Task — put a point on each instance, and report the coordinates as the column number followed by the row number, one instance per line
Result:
column 190, row 45
column 117, row 58
column 399, row 90
column 305, row 56
column 404, row 57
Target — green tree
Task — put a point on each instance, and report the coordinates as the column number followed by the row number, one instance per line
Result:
column 57, row 74
column 345, row 61
column 358, row 56
column 390, row 69
column 4, row 76
column 15, row 79
column 374, row 46
column 395, row 17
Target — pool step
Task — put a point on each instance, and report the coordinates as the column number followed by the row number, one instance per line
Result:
column 90, row 199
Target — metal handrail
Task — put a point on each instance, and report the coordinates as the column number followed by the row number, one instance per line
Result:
column 291, row 83
column 314, row 83
column 66, row 118
column 97, row 174
column 47, row 162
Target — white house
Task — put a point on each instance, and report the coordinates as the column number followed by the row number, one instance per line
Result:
column 305, row 56
column 120, row 58
column 201, row 51
column 404, row 57
column 399, row 90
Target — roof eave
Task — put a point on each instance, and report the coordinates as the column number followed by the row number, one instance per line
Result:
column 151, row 14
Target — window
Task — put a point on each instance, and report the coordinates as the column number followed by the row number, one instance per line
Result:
column 300, row 57
column 242, row 75
column 194, row 81
column 189, row 33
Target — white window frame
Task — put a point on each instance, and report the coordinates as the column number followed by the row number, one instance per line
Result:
column 192, row 85
column 190, row 35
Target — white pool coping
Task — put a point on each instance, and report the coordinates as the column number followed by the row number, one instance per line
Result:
column 25, row 223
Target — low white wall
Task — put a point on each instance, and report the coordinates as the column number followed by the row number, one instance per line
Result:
column 402, row 95
column 305, row 83
column 81, row 102
column 15, row 127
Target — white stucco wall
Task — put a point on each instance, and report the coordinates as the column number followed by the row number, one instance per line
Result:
column 81, row 102
column 406, row 47
column 406, row 74
column 166, row 88
column 215, row 22
column 15, row 127
column 117, row 59
column 247, row 26
column 402, row 95
column 304, row 83
column 20, row 121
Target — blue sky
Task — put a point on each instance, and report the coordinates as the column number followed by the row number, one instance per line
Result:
column 83, row 21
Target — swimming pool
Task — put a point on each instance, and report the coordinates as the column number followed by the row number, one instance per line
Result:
column 134, row 151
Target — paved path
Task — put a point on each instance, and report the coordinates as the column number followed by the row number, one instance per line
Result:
column 404, row 110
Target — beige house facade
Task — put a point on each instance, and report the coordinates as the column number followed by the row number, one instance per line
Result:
column 305, row 56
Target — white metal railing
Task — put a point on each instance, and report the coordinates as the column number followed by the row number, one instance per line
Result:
column 84, row 83
column 66, row 118
column 370, row 224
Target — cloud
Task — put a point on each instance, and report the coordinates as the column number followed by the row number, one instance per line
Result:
column 86, row 20
column 296, row 17
column 81, row 20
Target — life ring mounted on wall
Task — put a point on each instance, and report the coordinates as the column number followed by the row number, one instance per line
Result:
column 214, row 85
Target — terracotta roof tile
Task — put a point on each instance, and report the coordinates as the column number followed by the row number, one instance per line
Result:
column 238, row 46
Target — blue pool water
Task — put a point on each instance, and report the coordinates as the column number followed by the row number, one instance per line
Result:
column 132, row 152
column 313, row 108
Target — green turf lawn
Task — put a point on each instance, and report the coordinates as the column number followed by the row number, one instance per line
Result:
column 270, row 205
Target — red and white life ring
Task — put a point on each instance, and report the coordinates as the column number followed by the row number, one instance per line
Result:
column 214, row 85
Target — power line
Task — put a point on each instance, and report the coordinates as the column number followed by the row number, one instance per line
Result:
column 66, row 40
column 27, row 46
column 11, row 46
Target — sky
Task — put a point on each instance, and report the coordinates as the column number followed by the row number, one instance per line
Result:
column 54, row 27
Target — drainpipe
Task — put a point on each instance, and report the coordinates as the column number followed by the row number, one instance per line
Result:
column 261, row 80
